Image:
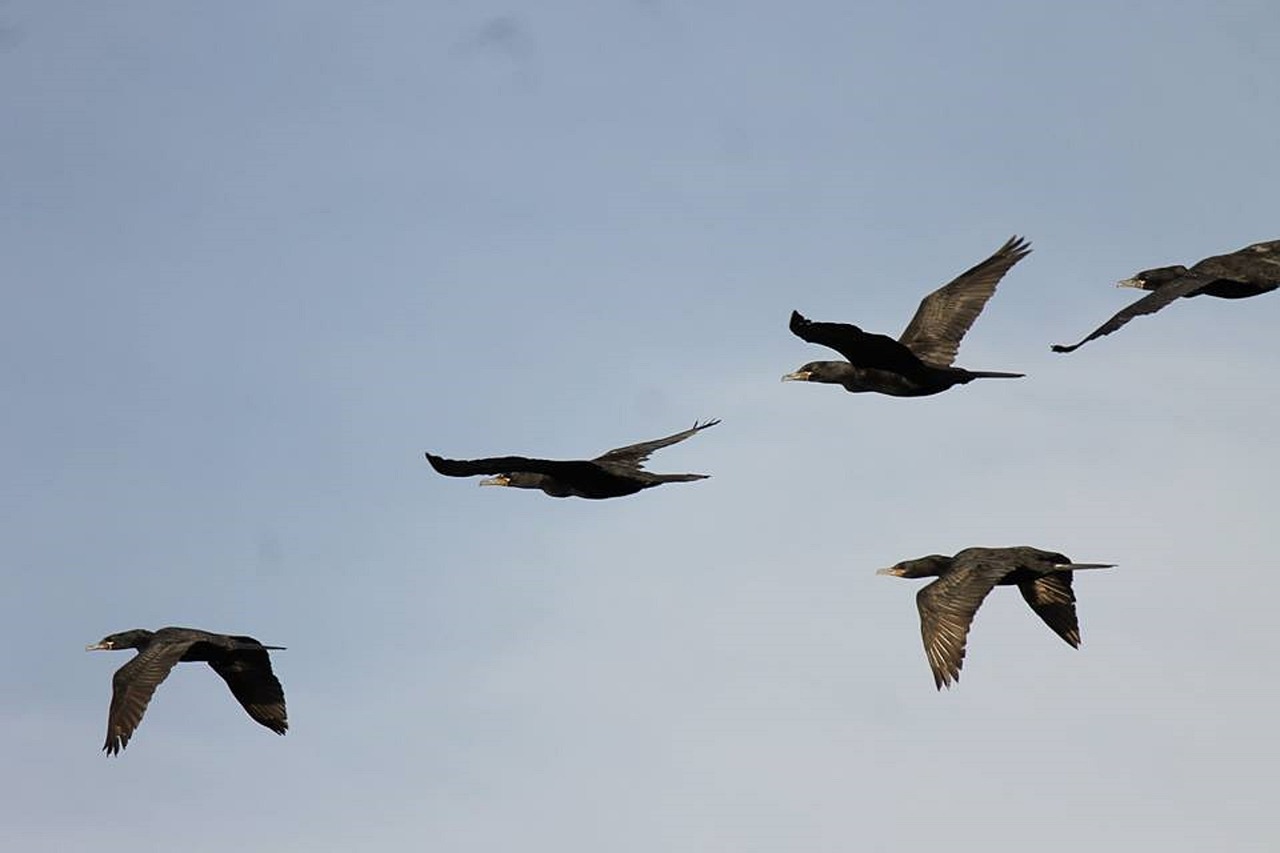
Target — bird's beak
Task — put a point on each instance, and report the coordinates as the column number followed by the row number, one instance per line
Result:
column 99, row 647
column 500, row 480
column 798, row 376
column 1129, row 282
column 892, row 570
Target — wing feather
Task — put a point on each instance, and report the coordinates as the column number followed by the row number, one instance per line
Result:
column 947, row 607
column 132, row 687
column 248, row 673
column 945, row 315
column 635, row 455
column 1053, row 600
column 865, row 349
column 505, row 465
column 1149, row 304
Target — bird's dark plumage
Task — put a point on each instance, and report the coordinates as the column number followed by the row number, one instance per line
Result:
column 918, row 363
column 242, row 662
column 614, row 474
column 1250, row 271
column 947, row 605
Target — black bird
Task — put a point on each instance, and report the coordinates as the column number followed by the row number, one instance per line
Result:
column 610, row 475
column 918, row 363
column 1247, row 272
column 948, row 604
column 242, row 662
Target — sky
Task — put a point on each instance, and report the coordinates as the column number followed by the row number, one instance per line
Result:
column 259, row 257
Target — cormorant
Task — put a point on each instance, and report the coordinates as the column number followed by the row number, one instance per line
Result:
column 242, row 662
column 610, row 475
column 948, row 604
column 1247, row 272
column 919, row 362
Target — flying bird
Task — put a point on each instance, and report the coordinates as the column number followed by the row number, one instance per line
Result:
column 918, row 363
column 242, row 662
column 1247, row 272
column 614, row 474
column 947, row 605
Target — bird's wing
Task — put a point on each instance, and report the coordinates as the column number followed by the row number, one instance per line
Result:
column 248, row 674
column 504, row 465
column 1149, row 304
column 635, row 455
column 132, row 687
column 1053, row 600
column 1257, row 264
column 944, row 316
column 865, row 349
column 946, row 610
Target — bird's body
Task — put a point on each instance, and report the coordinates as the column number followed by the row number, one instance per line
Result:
column 919, row 363
column 1250, row 271
column 923, row 382
column 947, row 606
column 242, row 662
column 614, row 474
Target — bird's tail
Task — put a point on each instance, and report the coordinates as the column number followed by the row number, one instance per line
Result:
column 994, row 374
column 681, row 478
column 1072, row 567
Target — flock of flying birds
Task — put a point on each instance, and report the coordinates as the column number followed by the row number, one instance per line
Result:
column 918, row 363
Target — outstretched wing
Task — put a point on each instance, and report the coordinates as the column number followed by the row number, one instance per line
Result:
column 944, row 316
column 132, row 687
column 635, row 455
column 1149, row 304
column 865, row 349
column 506, row 465
column 946, row 610
column 1053, row 600
column 248, row 674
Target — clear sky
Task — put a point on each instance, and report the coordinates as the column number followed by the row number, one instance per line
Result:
column 258, row 257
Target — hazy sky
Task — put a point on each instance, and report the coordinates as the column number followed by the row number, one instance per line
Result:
column 260, row 256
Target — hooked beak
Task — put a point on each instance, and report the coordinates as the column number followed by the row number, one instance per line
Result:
column 892, row 570
column 500, row 480
column 99, row 647
column 797, row 376
column 1129, row 282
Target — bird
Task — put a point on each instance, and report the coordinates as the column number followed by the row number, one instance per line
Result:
column 1246, row 272
column 919, row 363
column 242, row 662
column 614, row 474
column 947, row 605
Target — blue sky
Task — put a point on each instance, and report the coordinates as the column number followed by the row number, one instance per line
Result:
column 261, row 256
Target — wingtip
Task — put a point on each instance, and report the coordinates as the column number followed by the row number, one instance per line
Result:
column 1018, row 245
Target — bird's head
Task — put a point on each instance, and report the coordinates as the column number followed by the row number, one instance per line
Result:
column 924, row 567
column 516, row 480
column 819, row 371
column 124, row 640
column 1153, row 279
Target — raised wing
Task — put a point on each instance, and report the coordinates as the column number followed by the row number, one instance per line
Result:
column 865, row 349
column 946, row 610
column 1149, row 304
column 635, row 455
column 132, row 687
column 248, row 674
column 1053, row 600
column 945, row 315
column 506, row 465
